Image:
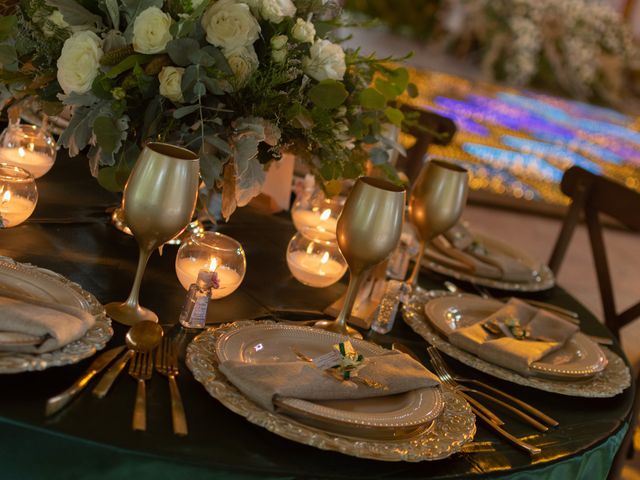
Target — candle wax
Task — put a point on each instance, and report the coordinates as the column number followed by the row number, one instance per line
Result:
column 312, row 225
column 37, row 164
column 309, row 269
column 16, row 210
column 187, row 270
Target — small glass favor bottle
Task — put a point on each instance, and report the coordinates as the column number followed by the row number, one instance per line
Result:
column 194, row 310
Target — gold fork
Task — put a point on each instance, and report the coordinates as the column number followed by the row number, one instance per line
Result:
column 141, row 368
column 167, row 365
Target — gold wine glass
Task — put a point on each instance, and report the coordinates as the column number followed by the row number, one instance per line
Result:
column 368, row 231
column 159, row 200
column 437, row 199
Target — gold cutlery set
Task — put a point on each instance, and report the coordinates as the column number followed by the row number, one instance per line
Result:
column 147, row 347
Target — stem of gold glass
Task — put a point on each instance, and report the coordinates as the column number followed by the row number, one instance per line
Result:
column 352, row 292
column 413, row 279
column 143, row 258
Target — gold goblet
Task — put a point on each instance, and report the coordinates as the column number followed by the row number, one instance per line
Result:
column 368, row 231
column 159, row 200
column 437, row 199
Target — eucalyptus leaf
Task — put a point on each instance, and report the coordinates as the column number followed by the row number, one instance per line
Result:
column 184, row 111
column 8, row 55
column 152, row 116
column 299, row 117
column 202, row 57
column 210, row 169
column 328, row 94
column 79, row 99
column 394, row 115
column 107, row 133
column 128, row 63
column 219, row 144
column 114, row 12
column 108, row 179
column 74, row 13
column 412, row 90
column 213, row 85
column 220, row 60
column 371, row 99
column 199, row 89
column 7, row 26
column 378, row 156
column 179, row 50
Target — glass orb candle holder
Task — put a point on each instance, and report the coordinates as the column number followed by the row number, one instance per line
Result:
column 212, row 251
column 18, row 195
column 29, row 147
column 317, row 217
column 315, row 263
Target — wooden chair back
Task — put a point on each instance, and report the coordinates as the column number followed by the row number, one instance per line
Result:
column 591, row 195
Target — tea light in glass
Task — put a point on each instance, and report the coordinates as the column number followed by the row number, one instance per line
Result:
column 215, row 252
column 29, row 147
column 317, row 217
column 18, row 195
column 315, row 263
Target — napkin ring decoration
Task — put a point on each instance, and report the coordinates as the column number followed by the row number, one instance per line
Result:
column 510, row 327
column 342, row 363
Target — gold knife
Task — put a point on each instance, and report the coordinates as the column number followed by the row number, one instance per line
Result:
column 57, row 403
column 105, row 383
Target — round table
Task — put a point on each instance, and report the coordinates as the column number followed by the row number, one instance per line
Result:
column 70, row 233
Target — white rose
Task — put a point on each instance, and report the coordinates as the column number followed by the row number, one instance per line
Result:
column 151, row 31
column 279, row 41
column 326, row 61
column 243, row 62
column 79, row 62
column 276, row 10
column 171, row 83
column 254, row 5
column 230, row 25
column 303, row 31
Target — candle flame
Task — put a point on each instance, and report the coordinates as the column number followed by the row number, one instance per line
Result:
column 21, row 152
column 325, row 258
column 6, row 196
column 310, row 248
column 324, row 216
column 213, row 264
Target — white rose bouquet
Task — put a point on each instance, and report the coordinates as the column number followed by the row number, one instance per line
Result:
column 239, row 81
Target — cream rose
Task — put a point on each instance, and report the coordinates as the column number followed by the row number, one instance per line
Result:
column 171, row 83
column 243, row 62
column 279, row 42
column 303, row 31
column 230, row 25
column 326, row 60
column 279, row 56
column 277, row 10
column 79, row 62
column 151, row 31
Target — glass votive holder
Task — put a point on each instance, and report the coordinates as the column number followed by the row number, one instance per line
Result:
column 18, row 195
column 315, row 263
column 212, row 251
column 317, row 217
column 29, row 147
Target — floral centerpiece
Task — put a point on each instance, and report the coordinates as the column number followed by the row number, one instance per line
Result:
column 239, row 81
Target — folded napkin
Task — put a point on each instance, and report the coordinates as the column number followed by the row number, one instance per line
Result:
column 457, row 248
column 34, row 326
column 262, row 381
column 550, row 330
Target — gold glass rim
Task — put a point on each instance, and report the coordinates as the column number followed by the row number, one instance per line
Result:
column 382, row 184
column 17, row 174
column 173, row 151
column 448, row 165
column 210, row 239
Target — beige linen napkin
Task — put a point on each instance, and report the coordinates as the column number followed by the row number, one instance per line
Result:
column 511, row 353
column 262, row 381
column 33, row 326
column 458, row 249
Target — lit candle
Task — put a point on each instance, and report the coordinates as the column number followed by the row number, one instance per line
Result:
column 37, row 164
column 15, row 209
column 315, row 269
column 187, row 270
column 320, row 225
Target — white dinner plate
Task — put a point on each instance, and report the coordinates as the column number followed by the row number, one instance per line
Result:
column 391, row 416
column 580, row 357
column 542, row 280
column 41, row 284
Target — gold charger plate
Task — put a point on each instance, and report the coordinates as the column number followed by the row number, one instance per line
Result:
column 542, row 280
column 613, row 380
column 46, row 285
column 454, row 427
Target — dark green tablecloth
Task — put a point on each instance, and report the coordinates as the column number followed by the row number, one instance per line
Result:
column 70, row 234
